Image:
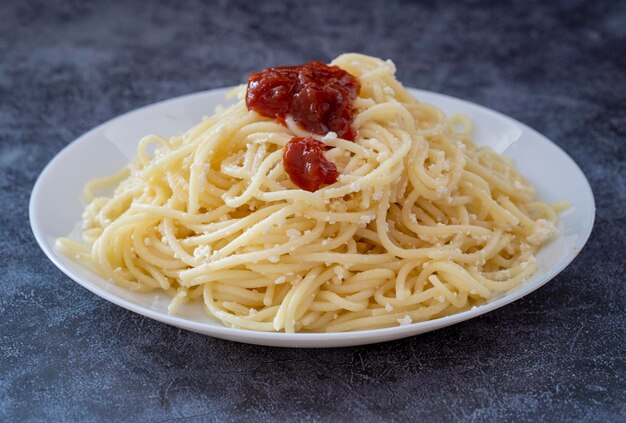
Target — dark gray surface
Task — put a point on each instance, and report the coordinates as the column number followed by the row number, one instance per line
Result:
column 558, row 354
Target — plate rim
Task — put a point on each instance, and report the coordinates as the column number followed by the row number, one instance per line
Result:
column 306, row 340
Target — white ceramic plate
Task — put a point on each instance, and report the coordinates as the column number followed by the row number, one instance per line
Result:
column 56, row 207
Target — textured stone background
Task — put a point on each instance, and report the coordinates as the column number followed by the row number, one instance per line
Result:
column 558, row 354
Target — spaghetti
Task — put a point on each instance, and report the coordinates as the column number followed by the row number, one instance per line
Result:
column 419, row 224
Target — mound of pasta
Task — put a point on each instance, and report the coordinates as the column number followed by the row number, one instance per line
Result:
column 326, row 199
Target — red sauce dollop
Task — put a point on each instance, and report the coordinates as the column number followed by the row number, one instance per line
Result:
column 304, row 162
column 317, row 96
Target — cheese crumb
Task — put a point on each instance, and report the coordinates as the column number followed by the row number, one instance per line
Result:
column 406, row 320
column 280, row 280
column 329, row 136
column 339, row 271
column 293, row 233
column 274, row 259
column 365, row 219
column 543, row 231
column 441, row 191
column 503, row 274
column 389, row 307
column 202, row 251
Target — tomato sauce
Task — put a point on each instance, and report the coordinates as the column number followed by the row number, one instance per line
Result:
column 318, row 97
column 306, row 165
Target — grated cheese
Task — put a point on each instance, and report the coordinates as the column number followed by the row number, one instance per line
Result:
column 329, row 136
column 203, row 251
column 293, row 233
column 543, row 231
column 406, row 320
column 339, row 271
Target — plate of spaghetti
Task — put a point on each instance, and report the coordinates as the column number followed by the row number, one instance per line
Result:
column 318, row 205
